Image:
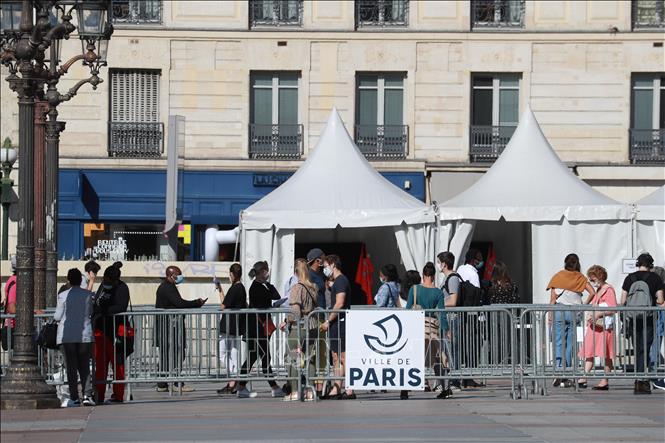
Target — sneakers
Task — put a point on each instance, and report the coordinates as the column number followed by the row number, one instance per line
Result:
column 556, row 383
column 642, row 388
column 186, row 388
column 88, row 401
column 293, row 396
column 446, row 393
column 455, row 388
column 162, row 388
column 277, row 392
column 243, row 392
column 404, row 395
column 71, row 404
column 113, row 401
column 659, row 384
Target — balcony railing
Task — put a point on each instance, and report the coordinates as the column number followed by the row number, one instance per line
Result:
column 647, row 146
column 136, row 140
column 648, row 14
column 281, row 142
column 387, row 142
column 497, row 14
column 382, row 13
column 275, row 13
column 137, row 11
column 488, row 142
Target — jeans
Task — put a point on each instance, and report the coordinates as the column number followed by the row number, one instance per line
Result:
column 642, row 339
column 564, row 329
column 654, row 354
column 77, row 363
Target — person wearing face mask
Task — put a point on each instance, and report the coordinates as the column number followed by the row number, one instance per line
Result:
column 388, row 293
column 112, row 298
column 336, row 324
column 171, row 355
column 472, row 264
column 599, row 334
column 231, row 326
column 261, row 295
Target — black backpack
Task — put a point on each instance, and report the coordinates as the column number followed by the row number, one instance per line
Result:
column 468, row 294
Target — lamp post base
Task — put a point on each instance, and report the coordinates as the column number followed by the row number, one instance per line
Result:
column 23, row 387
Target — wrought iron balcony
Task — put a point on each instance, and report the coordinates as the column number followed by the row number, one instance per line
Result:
column 497, row 14
column 647, row 146
column 136, row 140
column 280, row 142
column 137, row 11
column 275, row 13
column 488, row 142
column 382, row 142
column 648, row 14
column 382, row 13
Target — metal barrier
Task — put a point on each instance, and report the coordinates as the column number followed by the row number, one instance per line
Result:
column 568, row 343
column 528, row 345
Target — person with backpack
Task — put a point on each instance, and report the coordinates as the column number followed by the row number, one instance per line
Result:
column 641, row 289
column 73, row 313
column 112, row 298
column 388, row 293
column 458, row 292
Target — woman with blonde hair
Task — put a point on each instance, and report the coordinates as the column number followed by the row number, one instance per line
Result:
column 302, row 301
column 599, row 333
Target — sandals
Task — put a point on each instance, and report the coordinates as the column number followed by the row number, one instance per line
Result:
column 293, row 396
column 328, row 396
column 347, row 396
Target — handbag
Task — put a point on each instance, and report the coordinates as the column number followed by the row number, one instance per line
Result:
column 267, row 325
column 48, row 334
column 124, row 335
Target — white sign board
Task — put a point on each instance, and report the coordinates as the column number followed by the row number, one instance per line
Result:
column 385, row 350
column 628, row 265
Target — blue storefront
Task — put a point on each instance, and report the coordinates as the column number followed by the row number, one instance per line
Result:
column 99, row 204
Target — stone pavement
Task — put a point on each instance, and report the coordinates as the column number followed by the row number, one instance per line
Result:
column 473, row 415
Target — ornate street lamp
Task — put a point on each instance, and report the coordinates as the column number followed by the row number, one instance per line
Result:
column 8, row 157
column 25, row 49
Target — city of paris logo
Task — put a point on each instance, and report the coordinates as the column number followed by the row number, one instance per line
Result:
column 385, row 349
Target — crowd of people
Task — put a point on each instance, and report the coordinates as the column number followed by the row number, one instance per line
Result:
column 88, row 320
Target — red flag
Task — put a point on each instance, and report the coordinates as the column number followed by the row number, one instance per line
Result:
column 364, row 274
column 489, row 263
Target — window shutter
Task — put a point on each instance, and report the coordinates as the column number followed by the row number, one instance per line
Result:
column 135, row 96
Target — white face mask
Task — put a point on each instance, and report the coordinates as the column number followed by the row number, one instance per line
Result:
column 327, row 271
column 595, row 285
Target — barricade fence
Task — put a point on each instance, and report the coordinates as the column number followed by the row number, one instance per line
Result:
column 527, row 346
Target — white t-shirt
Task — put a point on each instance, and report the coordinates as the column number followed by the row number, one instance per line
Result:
column 470, row 274
column 566, row 297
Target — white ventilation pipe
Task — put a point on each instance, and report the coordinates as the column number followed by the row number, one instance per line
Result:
column 214, row 237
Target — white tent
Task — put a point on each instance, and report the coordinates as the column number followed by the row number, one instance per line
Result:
column 650, row 225
column 335, row 187
column 529, row 183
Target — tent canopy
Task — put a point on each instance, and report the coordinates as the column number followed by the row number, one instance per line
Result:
column 530, row 183
column 652, row 207
column 336, row 185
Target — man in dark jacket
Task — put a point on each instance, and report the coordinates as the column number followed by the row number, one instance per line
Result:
column 170, row 329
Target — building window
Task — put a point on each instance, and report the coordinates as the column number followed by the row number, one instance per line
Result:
column 497, row 14
column 274, row 131
column 494, row 114
column 648, row 14
column 120, row 241
column 275, row 13
column 647, row 126
column 137, row 11
column 380, row 131
column 382, row 13
column 134, row 129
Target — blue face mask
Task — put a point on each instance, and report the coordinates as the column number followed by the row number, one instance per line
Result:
column 107, row 287
column 179, row 279
column 480, row 265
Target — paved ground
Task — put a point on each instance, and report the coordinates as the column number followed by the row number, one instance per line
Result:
column 474, row 415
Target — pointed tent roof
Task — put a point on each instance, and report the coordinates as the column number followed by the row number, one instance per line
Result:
column 652, row 207
column 530, row 183
column 336, row 185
